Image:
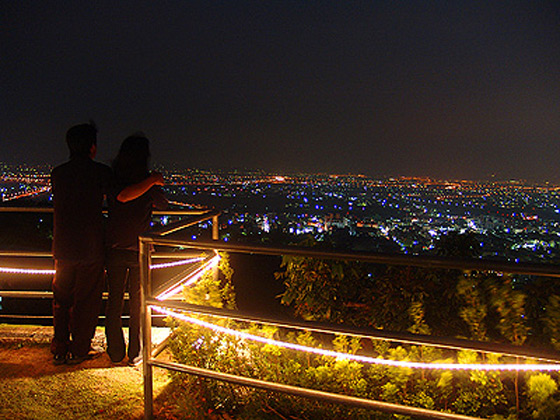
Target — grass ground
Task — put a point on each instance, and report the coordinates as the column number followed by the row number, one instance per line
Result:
column 31, row 387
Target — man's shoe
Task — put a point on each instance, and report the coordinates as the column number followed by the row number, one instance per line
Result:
column 75, row 360
column 59, row 359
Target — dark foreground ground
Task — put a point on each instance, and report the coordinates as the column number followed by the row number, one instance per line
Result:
column 31, row 387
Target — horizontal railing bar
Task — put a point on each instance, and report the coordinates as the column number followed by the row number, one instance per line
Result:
column 26, row 254
column 170, row 212
column 183, row 224
column 39, row 294
column 163, row 345
column 370, row 333
column 26, row 209
column 549, row 270
column 25, row 316
column 168, row 285
column 311, row 393
column 178, row 212
column 177, row 255
column 44, row 254
column 24, row 294
column 101, row 316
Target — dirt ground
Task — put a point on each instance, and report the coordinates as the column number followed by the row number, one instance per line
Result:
column 25, row 356
column 25, row 360
column 24, row 352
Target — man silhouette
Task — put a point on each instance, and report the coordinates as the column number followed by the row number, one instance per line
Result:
column 78, row 186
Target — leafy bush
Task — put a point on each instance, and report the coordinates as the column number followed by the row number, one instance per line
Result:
column 540, row 390
column 483, row 306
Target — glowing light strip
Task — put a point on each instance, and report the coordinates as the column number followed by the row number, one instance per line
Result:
column 176, row 263
column 189, row 279
column 25, row 271
column 10, row 270
column 357, row 358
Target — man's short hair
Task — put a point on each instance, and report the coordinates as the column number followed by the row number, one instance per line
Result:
column 80, row 138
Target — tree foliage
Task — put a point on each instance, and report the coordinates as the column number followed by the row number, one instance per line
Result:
column 475, row 305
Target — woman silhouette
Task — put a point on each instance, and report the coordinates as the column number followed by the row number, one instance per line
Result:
column 136, row 193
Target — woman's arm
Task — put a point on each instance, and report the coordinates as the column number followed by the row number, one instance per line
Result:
column 136, row 190
column 159, row 201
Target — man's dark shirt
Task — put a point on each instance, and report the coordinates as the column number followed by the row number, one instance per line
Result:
column 128, row 220
column 78, row 188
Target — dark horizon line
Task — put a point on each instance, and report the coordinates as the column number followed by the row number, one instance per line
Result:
column 230, row 169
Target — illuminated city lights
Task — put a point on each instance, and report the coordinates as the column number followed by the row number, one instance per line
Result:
column 517, row 220
column 17, row 196
column 357, row 358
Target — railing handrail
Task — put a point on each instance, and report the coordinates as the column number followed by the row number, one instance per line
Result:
column 549, row 270
column 26, row 209
column 182, row 224
column 26, row 254
column 313, row 393
column 170, row 212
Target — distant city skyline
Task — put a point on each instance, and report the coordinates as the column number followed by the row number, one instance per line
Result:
column 449, row 90
column 509, row 220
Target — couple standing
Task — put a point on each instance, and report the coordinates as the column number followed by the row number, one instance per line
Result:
column 82, row 250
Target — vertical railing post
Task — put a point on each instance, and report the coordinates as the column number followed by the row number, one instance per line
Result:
column 215, row 228
column 215, row 237
column 146, row 317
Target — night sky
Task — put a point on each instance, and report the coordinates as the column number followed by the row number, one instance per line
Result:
column 446, row 89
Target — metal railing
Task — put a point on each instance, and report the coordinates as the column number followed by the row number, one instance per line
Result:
column 164, row 237
column 22, row 293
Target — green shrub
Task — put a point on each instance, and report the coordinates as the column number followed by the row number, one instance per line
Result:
column 540, row 390
column 495, row 308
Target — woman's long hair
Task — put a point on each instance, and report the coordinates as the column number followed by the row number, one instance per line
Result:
column 131, row 164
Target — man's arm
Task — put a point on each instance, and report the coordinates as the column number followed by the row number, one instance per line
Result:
column 136, row 190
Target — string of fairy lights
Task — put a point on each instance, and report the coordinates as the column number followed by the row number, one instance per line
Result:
column 355, row 357
column 30, row 271
column 193, row 277
column 51, row 272
column 189, row 279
